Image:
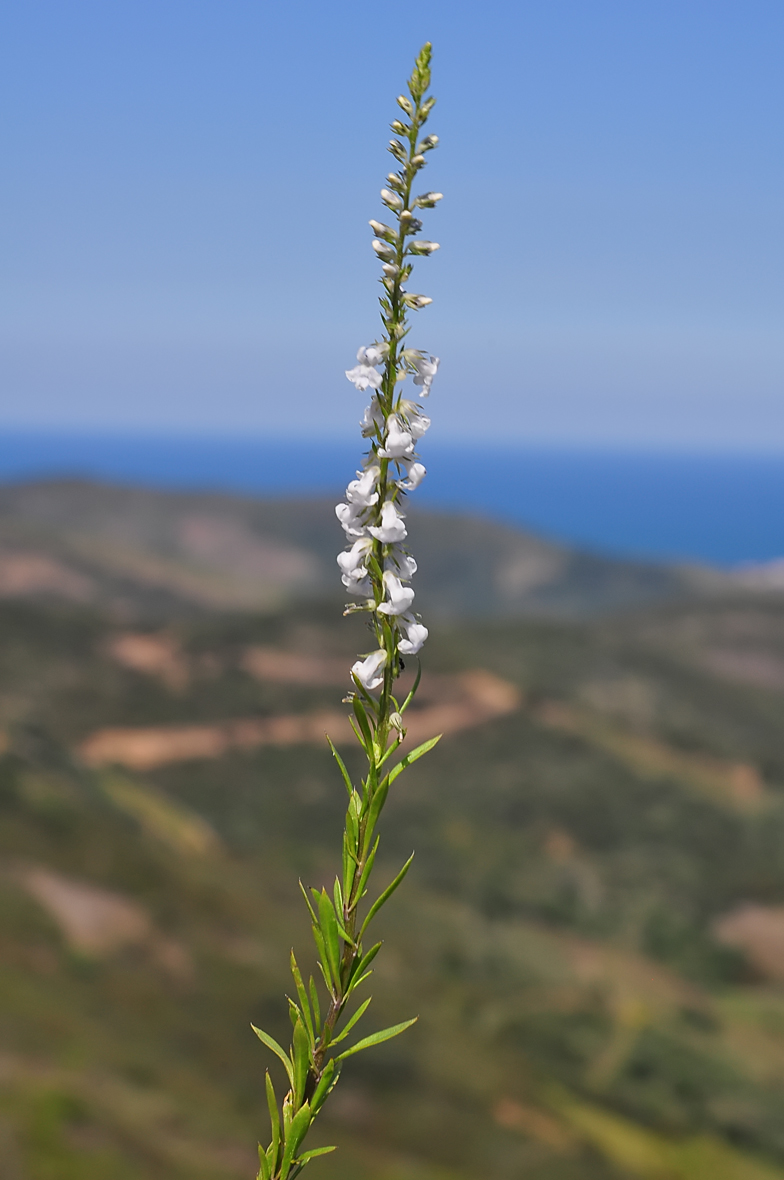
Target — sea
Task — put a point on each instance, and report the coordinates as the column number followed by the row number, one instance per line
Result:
column 725, row 509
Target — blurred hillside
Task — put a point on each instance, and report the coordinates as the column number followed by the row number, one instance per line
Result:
column 593, row 930
column 146, row 552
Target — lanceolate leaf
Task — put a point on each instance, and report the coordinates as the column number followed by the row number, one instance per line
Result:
column 311, row 1155
column 272, row 1103
column 318, row 938
column 303, row 997
column 362, row 720
column 301, row 1061
column 390, row 889
column 365, row 962
column 264, row 1168
column 386, row 1034
column 359, row 1013
column 342, row 765
column 272, row 1044
column 296, row 1133
column 412, row 757
column 329, row 929
column 376, row 803
column 315, row 1001
column 368, row 869
column 414, row 687
column 325, row 1084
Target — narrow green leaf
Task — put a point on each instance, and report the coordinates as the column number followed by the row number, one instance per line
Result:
column 311, row 1155
column 376, row 803
column 386, row 1034
column 303, row 998
column 358, row 735
column 349, row 866
column 264, row 1172
column 315, row 1002
column 365, row 962
column 357, row 982
column 412, row 757
column 415, row 686
column 359, row 1012
column 272, row 1044
column 368, row 869
column 325, row 1084
column 301, row 1061
column 329, row 928
column 385, row 896
column 272, row 1103
column 318, row 938
column 342, row 766
column 338, row 896
column 362, row 720
column 307, row 903
column 296, row 1133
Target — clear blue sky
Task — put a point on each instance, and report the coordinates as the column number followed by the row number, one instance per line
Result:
column 186, row 186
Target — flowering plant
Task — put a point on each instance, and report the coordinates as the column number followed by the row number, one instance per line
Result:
column 376, row 567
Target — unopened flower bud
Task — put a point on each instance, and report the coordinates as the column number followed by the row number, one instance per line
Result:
column 421, row 246
column 397, row 149
column 417, row 161
column 408, row 223
column 427, row 106
column 427, row 200
column 390, row 270
column 396, row 721
column 394, row 181
column 383, row 231
column 391, row 200
column 428, row 143
column 399, row 128
column 385, row 251
column 417, row 302
column 405, row 104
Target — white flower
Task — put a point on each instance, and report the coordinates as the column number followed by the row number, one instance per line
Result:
column 349, row 516
column 416, row 302
column 428, row 200
column 369, row 671
column 398, row 441
column 361, row 492
column 392, row 200
column 415, row 473
column 405, row 563
column 422, row 246
column 352, row 563
column 416, row 634
column 426, row 368
column 383, row 249
column 418, row 423
column 399, row 596
column 373, row 419
column 383, row 231
column 364, row 374
column 391, row 530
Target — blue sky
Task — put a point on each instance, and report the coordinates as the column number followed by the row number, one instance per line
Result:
column 187, row 183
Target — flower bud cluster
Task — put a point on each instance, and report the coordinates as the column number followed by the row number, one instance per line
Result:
column 376, row 566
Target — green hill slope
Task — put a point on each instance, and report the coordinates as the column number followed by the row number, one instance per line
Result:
column 592, row 934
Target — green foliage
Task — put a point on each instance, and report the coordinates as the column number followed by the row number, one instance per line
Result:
column 556, row 933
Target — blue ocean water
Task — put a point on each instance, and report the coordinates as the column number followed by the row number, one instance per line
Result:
column 721, row 508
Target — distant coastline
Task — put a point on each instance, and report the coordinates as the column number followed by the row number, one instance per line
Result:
column 725, row 509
